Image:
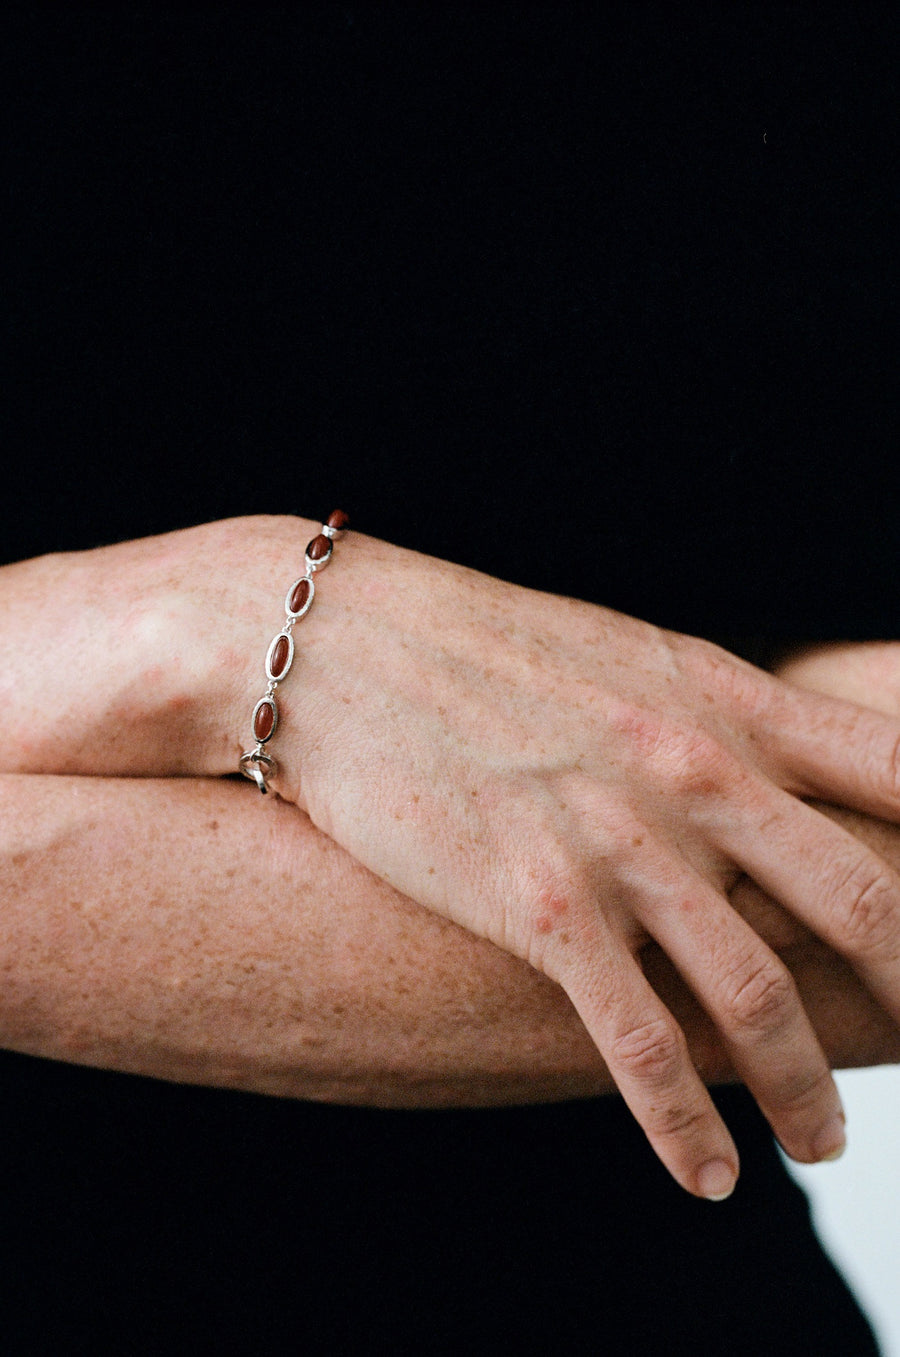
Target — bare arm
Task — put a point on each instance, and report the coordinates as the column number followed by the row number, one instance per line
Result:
column 562, row 780
column 190, row 931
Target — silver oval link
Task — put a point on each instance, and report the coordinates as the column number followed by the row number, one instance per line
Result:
column 255, row 764
column 309, row 599
column 267, row 701
column 276, row 678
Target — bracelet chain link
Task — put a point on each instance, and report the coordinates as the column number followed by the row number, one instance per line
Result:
column 257, row 764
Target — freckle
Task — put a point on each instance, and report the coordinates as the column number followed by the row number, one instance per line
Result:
column 637, row 841
column 544, row 924
column 564, row 938
column 415, row 799
column 474, row 791
column 431, row 871
column 213, row 825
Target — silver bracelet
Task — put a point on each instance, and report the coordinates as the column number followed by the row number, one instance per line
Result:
column 255, row 763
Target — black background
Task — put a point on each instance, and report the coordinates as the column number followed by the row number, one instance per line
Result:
column 594, row 298
column 472, row 272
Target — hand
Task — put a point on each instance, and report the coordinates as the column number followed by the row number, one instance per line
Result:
column 558, row 778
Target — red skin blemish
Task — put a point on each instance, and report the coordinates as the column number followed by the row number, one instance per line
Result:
column 557, row 904
column 553, row 904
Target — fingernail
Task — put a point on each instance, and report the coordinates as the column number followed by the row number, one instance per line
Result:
column 716, row 1180
column 831, row 1142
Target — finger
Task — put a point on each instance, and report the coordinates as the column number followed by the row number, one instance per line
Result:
column 647, row 1056
column 834, row 750
column 840, row 888
column 751, row 997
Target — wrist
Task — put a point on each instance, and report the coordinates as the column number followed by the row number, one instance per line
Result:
column 257, row 763
column 217, row 619
column 147, row 651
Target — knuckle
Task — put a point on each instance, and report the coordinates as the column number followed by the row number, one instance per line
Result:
column 682, row 759
column 887, row 771
column 893, row 768
column 867, row 911
column 556, row 870
column 677, row 1119
column 877, row 746
column 642, row 727
column 651, row 1052
column 803, row 1090
column 733, row 682
column 761, row 997
column 694, row 764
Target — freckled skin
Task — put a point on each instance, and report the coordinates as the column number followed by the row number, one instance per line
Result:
column 270, row 961
column 422, row 674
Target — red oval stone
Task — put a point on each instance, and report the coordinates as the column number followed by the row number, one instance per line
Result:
column 299, row 597
column 264, row 720
column 279, row 660
column 320, row 548
column 337, row 519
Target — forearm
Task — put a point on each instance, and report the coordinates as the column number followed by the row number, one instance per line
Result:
column 257, row 954
column 193, row 931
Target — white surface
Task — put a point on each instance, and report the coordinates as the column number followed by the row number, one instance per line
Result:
column 856, row 1201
